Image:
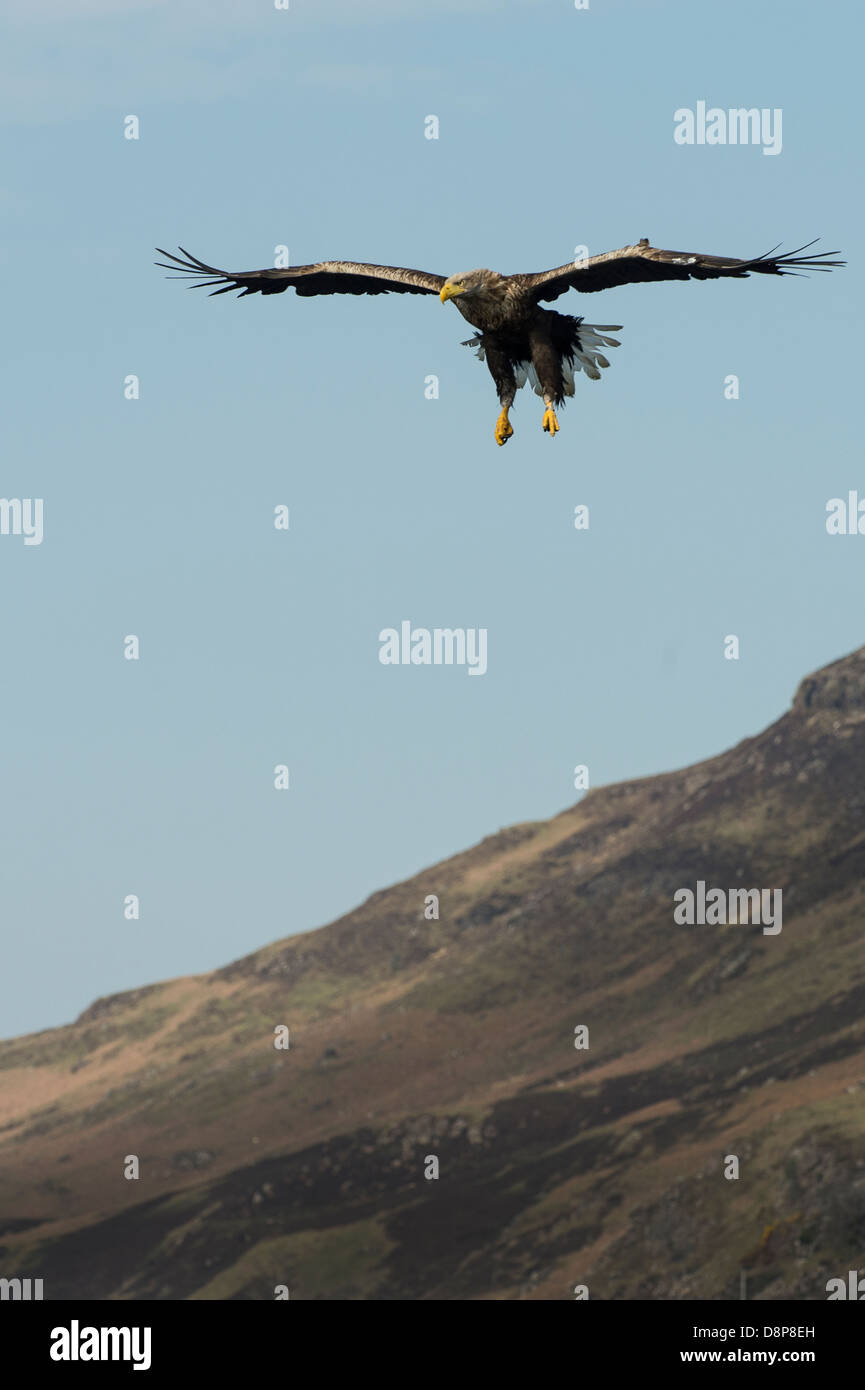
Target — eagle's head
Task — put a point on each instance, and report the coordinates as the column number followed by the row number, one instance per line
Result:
column 472, row 283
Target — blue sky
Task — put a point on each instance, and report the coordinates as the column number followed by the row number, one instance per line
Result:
column 306, row 128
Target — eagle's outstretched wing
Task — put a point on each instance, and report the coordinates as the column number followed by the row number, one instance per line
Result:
column 633, row 264
column 328, row 277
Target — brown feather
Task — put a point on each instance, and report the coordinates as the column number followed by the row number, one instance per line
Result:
column 327, row 277
column 642, row 263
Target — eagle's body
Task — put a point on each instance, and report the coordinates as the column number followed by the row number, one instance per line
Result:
column 522, row 342
column 518, row 338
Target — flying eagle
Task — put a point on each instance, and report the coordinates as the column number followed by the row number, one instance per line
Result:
column 518, row 339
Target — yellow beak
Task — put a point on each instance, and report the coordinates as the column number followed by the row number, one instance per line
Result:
column 448, row 292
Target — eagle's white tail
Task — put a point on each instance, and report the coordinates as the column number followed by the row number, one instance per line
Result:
column 587, row 356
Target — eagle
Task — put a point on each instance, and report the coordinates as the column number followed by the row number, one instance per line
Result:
column 516, row 336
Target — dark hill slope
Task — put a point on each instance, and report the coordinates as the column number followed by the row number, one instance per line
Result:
column 454, row 1038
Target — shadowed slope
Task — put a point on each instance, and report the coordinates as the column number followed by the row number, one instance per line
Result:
column 455, row 1038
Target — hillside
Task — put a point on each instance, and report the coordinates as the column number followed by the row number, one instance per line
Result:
column 455, row 1038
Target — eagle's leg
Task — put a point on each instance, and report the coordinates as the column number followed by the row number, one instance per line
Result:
column 504, row 428
column 547, row 362
column 501, row 369
column 550, row 423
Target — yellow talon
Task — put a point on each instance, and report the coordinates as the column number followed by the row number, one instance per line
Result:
column 504, row 429
column 550, row 423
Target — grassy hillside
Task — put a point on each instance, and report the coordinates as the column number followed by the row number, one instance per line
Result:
column 454, row 1038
